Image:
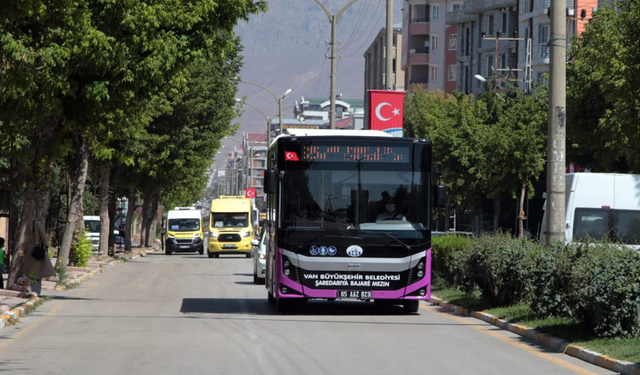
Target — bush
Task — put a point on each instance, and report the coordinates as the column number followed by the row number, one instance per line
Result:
column 606, row 283
column 82, row 251
column 548, row 280
column 443, row 249
column 494, row 264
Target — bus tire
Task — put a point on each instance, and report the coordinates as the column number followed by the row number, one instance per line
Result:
column 256, row 280
column 201, row 251
column 248, row 255
column 282, row 305
column 210, row 255
column 270, row 298
column 167, row 252
column 411, row 306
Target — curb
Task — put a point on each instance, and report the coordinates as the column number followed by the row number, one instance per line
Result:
column 16, row 313
column 560, row 345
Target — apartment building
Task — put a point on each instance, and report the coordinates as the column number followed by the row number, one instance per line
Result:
column 430, row 44
column 375, row 65
column 255, row 163
column 480, row 55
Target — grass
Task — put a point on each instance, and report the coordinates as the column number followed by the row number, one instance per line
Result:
column 564, row 328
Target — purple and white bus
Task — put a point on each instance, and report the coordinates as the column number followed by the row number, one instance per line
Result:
column 348, row 217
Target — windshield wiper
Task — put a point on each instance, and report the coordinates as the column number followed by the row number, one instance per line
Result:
column 407, row 247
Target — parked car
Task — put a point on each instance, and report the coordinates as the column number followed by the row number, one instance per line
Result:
column 259, row 255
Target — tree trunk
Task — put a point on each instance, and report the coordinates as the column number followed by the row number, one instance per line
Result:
column 113, row 201
column 152, row 220
column 131, row 207
column 75, row 208
column 144, row 217
column 521, row 217
column 496, row 214
column 105, row 222
column 32, row 224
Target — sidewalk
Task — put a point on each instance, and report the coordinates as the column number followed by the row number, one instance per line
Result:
column 12, row 307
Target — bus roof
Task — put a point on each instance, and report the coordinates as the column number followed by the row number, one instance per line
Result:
column 333, row 132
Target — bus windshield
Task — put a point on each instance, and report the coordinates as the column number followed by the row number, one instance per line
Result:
column 362, row 201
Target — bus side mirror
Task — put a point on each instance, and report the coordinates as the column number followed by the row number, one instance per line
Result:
column 270, row 181
column 441, row 196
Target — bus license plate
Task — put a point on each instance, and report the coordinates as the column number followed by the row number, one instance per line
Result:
column 359, row 294
column 228, row 246
column 184, row 246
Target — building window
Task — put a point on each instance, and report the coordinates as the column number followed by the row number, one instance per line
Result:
column 455, row 7
column 433, row 73
column 504, row 23
column 543, row 34
column 490, row 22
column 434, row 43
column 489, row 71
column 453, row 42
column 435, row 10
column 451, row 73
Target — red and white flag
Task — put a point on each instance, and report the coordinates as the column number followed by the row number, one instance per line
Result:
column 290, row 156
column 386, row 109
column 250, row 193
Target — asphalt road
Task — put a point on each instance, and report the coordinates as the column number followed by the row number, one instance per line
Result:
column 187, row 314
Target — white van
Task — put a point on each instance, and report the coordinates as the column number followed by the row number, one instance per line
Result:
column 92, row 230
column 184, row 231
column 601, row 205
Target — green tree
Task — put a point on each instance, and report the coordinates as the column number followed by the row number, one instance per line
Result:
column 512, row 145
column 603, row 83
column 450, row 121
column 75, row 75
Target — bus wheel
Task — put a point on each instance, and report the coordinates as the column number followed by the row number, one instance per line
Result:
column 201, row 251
column 270, row 298
column 167, row 252
column 210, row 255
column 411, row 306
column 248, row 255
column 282, row 305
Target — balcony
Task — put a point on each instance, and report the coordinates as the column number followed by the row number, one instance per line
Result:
column 459, row 16
column 419, row 26
column 419, row 56
column 481, row 6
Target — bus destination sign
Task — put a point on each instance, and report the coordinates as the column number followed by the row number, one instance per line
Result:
column 379, row 154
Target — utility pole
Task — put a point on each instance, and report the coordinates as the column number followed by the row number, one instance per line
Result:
column 334, row 63
column 556, row 150
column 389, row 76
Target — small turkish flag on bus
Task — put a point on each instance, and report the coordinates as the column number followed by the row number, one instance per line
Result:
column 290, row 156
column 250, row 193
column 385, row 111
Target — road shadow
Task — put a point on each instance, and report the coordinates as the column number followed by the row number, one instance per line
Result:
column 260, row 306
column 67, row 298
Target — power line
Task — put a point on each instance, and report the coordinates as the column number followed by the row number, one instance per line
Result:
column 356, row 27
column 369, row 37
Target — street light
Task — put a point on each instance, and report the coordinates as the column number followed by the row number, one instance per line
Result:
column 278, row 100
column 480, row 78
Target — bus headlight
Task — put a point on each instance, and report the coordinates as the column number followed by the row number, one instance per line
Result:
column 287, row 272
column 246, row 233
column 213, row 234
column 171, row 236
column 420, row 266
column 284, row 290
column 286, row 263
column 420, row 273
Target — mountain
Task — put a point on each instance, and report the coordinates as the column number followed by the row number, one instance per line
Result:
column 285, row 47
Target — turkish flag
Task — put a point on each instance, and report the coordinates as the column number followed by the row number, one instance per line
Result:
column 386, row 109
column 290, row 156
column 250, row 193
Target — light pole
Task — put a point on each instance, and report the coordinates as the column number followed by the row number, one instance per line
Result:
column 333, row 18
column 278, row 100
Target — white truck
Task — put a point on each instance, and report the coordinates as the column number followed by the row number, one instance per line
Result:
column 601, row 205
